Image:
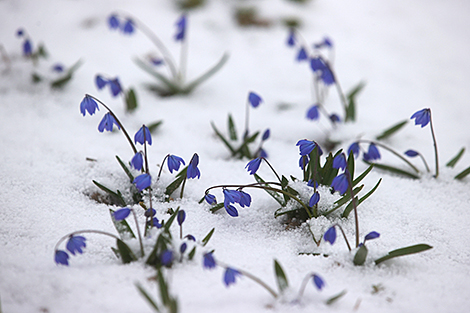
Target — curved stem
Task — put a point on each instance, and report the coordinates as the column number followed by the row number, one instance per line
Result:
column 81, row 232
column 436, row 156
column 138, row 233
column 425, row 163
column 161, row 166
column 303, row 286
column 344, row 236
column 274, row 171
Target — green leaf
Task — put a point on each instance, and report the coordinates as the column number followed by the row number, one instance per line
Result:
column 147, row 297
column 192, row 253
column 153, row 126
column 208, row 237
column 162, row 285
column 207, row 74
column 367, row 195
column 122, row 227
column 126, row 169
column 170, row 85
column 363, row 174
column 170, row 221
column 127, row 256
column 36, row 78
column 462, row 174
column 177, row 182
column 131, row 100
column 404, row 251
column 351, row 165
column 360, row 256
column 335, row 297
column 217, row 207
column 391, row 130
column 225, row 141
column 281, row 278
column 231, row 128
column 351, row 108
column 456, row 158
column 394, row 170
column 116, row 197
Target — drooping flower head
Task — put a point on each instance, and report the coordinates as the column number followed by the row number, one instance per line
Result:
column 422, row 117
column 107, row 123
column 209, row 261
column 121, row 214
column 75, row 244
column 254, row 99
column 339, row 161
column 166, row 258
column 307, row 146
column 372, row 153
column 354, row 147
column 174, row 162
column 27, row 47
column 411, row 153
column 137, row 161
column 59, row 68
column 291, row 38
column 266, row 134
column 142, row 135
column 317, row 64
column 371, row 235
column 183, row 247
column 313, row 113
column 210, row 199
column 100, row 82
column 245, row 199
column 115, row 86
column 326, row 42
column 20, row 32
column 330, row 235
column 193, row 171
column 253, row 165
column 89, row 105
column 314, row 199
column 181, row 28
column 302, row 54
column 150, row 212
column 113, row 21
column 61, row 257
column 143, row 181
column 128, row 27
column 154, row 222
column 318, row 281
column 181, row 217
column 341, row 183
column 335, row 118
column 230, row 276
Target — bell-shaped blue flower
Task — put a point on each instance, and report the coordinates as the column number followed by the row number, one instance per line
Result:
column 174, row 162
column 330, row 235
column 193, row 171
column 262, row 154
column 190, row 237
column 89, row 105
column 75, row 244
column 107, row 123
column 307, row 146
column 115, row 87
column 181, row 217
column 266, row 135
column 372, row 154
column 27, row 47
column 341, row 183
column 61, row 257
column 245, row 199
column 209, row 261
column 128, row 27
column 183, row 247
column 318, row 281
column 210, row 199
column 231, row 196
column 313, row 113
column 100, row 82
column 254, row 99
column 166, row 258
column 181, row 28
column 154, row 222
column 335, row 118
column 312, row 183
column 113, row 21
column 411, row 153
column 291, row 38
column 371, row 235
column 59, row 68
column 339, row 161
column 230, row 276
column 354, row 148
column 253, row 165
column 302, row 54
column 422, row 117
column 142, row 135
column 121, row 214
column 20, row 32
column 143, row 181
column 150, row 212
column 231, row 210
column 314, row 199
column 137, row 161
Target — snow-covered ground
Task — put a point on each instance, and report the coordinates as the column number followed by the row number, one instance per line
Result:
column 411, row 54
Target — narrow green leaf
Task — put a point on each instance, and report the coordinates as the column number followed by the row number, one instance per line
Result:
column 351, row 108
column 360, row 256
column 153, row 126
column 361, row 177
column 225, row 141
column 404, row 251
column 126, row 169
column 127, row 256
column 162, row 285
column 394, row 170
column 167, row 82
column 147, row 297
column 217, row 207
column 391, row 130
column 231, row 128
column 122, row 227
column 335, row 297
column 177, row 182
column 367, row 195
column 208, row 237
column 276, row 196
column 281, row 278
column 207, row 74
column 116, row 197
column 462, row 174
column 351, row 165
column 170, row 221
column 192, row 253
column 456, row 158
column 131, row 100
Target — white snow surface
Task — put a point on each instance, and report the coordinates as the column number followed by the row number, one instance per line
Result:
column 411, row 54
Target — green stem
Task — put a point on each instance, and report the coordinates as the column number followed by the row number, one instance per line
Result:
column 354, row 203
column 436, row 156
column 138, row 233
column 182, row 187
column 274, row 171
column 344, row 236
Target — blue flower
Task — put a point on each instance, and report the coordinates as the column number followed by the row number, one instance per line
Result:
column 121, row 214
column 341, row 183
column 142, row 135
column 59, row 68
column 89, row 105
column 181, row 217
column 75, row 244
column 154, row 222
column 371, row 235
column 100, row 82
column 193, row 171
column 422, row 117
column 27, row 47
column 312, row 113
column 354, row 147
column 291, row 38
column 318, row 281
column 113, row 21
column 20, row 32
column 210, row 199
column 230, row 209
column 307, row 146
column 325, row 43
column 128, row 27
column 262, row 154
column 253, row 165
column 317, row 64
column 174, row 162
column 115, row 87
column 183, row 247
column 266, row 134
column 231, row 196
column 142, row 181
column 339, row 161
column 303, row 161
column 181, row 28
column 330, row 235
column 61, row 257
column 190, row 237
column 312, row 183
column 230, row 276
column 166, row 258
column 372, row 154
column 209, row 261
column 254, row 99
column 411, row 153
column 245, row 199
column 137, row 161
column 107, row 123
column 156, row 61
column 335, row 118
column 150, row 212
column 314, row 199
column 302, row 55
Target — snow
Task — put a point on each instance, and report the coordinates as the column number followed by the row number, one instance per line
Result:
column 411, row 55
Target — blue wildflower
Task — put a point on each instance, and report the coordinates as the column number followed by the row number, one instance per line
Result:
column 411, row 153
column 231, row 196
column 422, row 117
column 341, row 183
column 253, row 165
column 230, row 276
column 313, row 113
column 209, row 261
column 100, row 82
column 330, row 235
column 354, row 148
column 325, row 43
column 174, row 162
column 245, row 199
column 372, row 154
column 89, row 105
column 128, row 27
column 107, row 123
column 181, row 28
column 318, row 281
column 154, row 222
column 302, row 55
column 181, row 217
column 142, row 135
column 266, row 135
column 230, row 209
column 61, row 257
column 137, row 161
column 335, row 118
column 291, row 38
column 339, row 161
column 166, row 258
column 20, row 32
column 75, row 244
column 303, row 161
column 262, row 154
column 59, row 68
column 312, row 183
column 210, row 199
column 254, row 99
column 27, row 48
column 142, row 181
column 371, row 235
column 190, row 237
column 156, row 61
column 317, row 64
column 121, row 214
column 193, row 171
column 113, row 21
column 115, row 86
column 314, row 199
column 183, row 247
column 150, row 212
column 307, row 146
